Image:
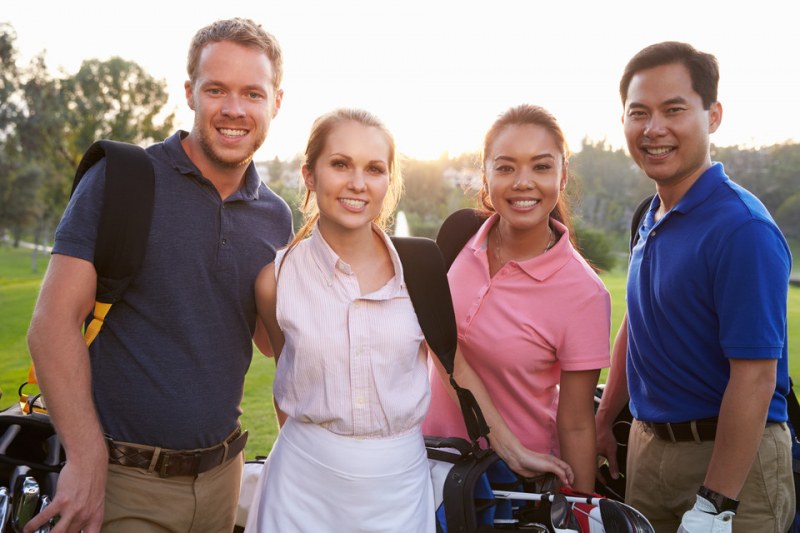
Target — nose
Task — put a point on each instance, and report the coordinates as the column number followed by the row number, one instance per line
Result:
column 234, row 107
column 523, row 180
column 655, row 126
column 357, row 182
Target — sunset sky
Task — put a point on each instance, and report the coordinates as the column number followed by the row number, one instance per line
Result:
column 438, row 72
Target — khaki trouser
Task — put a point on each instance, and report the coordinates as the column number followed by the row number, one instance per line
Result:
column 663, row 478
column 138, row 501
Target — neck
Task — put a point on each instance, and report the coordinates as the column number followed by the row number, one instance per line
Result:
column 671, row 193
column 227, row 180
column 520, row 245
column 351, row 245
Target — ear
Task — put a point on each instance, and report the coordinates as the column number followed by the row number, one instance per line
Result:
column 278, row 101
column 564, row 175
column 308, row 178
column 714, row 117
column 187, row 87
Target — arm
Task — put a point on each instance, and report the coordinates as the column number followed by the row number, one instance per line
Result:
column 266, row 302
column 576, row 428
column 261, row 339
column 615, row 396
column 504, row 442
column 64, row 374
column 742, row 418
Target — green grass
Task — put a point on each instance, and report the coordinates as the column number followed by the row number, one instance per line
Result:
column 19, row 289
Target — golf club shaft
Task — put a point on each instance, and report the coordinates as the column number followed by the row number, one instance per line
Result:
column 508, row 495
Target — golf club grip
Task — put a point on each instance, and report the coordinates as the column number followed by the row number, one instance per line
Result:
column 9, row 436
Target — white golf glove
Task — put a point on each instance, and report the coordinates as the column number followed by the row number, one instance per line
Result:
column 703, row 518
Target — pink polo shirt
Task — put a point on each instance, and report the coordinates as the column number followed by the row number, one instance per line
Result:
column 518, row 330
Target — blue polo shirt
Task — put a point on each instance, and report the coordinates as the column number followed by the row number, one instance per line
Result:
column 706, row 283
column 168, row 366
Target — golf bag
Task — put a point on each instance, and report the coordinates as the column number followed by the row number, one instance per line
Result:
column 31, row 455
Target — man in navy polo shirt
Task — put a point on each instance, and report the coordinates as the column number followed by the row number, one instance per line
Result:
column 164, row 378
column 706, row 327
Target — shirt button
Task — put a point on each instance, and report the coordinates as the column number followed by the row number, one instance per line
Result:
column 358, row 352
column 469, row 317
column 224, row 240
column 360, row 400
column 355, row 305
column 223, row 206
column 477, row 300
column 653, row 233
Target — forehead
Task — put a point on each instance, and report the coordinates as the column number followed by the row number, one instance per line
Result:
column 227, row 61
column 357, row 140
column 655, row 85
column 522, row 140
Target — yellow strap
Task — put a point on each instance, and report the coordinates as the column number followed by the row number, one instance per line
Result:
column 100, row 312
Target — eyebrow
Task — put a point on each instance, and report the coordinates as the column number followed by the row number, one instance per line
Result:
column 349, row 159
column 513, row 160
column 671, row 101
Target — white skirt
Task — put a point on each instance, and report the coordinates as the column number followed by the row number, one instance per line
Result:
column 317, row 481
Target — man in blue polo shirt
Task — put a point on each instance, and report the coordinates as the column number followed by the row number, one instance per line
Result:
column 706, row 328
column 164, row 378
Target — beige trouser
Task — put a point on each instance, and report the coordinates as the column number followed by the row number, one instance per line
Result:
column 138, row 501
column 663, row 478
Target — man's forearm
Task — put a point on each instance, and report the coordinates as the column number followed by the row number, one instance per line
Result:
column 742, row 417
column 615, row 393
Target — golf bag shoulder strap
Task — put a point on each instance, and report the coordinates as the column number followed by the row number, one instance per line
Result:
column 456, row 231
column 636, row 220
column 128, row 198
column 426, row 279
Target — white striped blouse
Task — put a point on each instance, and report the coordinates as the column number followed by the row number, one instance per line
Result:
column 355, row 365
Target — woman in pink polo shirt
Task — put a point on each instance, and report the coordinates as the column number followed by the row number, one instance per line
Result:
column 351, row 384
column 533, row 317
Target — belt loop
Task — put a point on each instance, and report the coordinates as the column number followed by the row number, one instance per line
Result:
column 695, row 433
column 671, row 434
column 154, row 460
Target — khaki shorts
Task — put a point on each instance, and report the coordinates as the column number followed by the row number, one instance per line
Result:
column 141, row 501
column 663, row 478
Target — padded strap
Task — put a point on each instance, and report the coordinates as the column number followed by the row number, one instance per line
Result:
column 100, row 312
column 456, row 231
column 636, row 220
column 426, row 280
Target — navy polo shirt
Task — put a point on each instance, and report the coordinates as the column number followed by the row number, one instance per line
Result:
column 707, row 282
column 168, row 366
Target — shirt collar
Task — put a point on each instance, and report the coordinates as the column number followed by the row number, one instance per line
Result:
column 329, row 262
column 540, row 267
column 702, row 188
column 180, row 161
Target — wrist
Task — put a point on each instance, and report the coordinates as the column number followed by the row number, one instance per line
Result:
column 714, row 502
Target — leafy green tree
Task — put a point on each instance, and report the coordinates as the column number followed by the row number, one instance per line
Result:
column 594, row 247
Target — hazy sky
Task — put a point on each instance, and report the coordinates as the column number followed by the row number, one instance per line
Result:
column 438, row 72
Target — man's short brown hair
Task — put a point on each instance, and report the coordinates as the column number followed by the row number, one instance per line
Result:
column 237, row 30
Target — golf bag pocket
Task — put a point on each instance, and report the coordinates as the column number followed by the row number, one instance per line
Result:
column 463, row 480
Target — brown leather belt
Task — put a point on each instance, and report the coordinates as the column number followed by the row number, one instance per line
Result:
column 704, row 429
column 175, row 462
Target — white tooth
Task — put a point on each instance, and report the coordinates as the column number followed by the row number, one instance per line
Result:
column 232, row 133
column 658, row 151
column 525, row 203
column 353, row 203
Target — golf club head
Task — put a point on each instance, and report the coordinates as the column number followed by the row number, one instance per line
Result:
column 640, row 523
column 45, row 528
column 26, row 502
column 5, row 507
column 562, row 519
column 615, row 519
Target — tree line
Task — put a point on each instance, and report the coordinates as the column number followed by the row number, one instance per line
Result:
column 47, row 121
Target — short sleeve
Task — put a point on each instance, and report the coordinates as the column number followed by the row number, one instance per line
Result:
column 77, row 232
column 585, row 345
column 751, row 285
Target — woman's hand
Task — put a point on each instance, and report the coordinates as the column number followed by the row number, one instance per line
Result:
column 531, row 464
